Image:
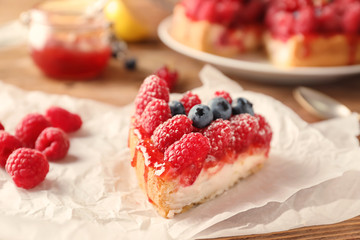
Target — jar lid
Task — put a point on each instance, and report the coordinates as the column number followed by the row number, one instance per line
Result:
column 68, row 13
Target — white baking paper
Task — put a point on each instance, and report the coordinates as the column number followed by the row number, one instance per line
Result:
column 93, row 192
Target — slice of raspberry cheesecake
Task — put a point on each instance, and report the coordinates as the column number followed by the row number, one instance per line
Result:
column 186, row 152
column 222, row 27
column 313, row 33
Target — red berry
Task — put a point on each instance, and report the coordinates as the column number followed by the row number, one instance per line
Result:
column 30, row 127
column 153, row 87
column 351, row 21
column 191, row 7
column 228, row 12
column 186, row 157
column 292, row 5
column 27, row 167
column 224, row 94
column 329, row 19
column 170, row 77
column 244, row 127
column 283, row 24
column 207, row 11
column 8, row 143
column 62, row 118
column 189, row 100
column 219, row 134
column 264, row 135
column 1, row 126
column 53, row 143
column 306, row 21
column 170, row 131
column 253, row 11
column 155, row 113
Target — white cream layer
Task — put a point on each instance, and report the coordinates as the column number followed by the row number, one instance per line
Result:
column 212, row 182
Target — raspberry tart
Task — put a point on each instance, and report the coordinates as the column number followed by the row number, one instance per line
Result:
column 293, row 33
column 184, row 157
column 313, row 33
column 222, row 27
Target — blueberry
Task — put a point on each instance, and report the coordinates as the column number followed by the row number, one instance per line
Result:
column 242, row 105
column 130, row 63
column 176, row 108
column 201, row 115
column 220, row 107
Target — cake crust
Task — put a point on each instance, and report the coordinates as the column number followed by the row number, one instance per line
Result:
column 214, row 38
column 313, row 51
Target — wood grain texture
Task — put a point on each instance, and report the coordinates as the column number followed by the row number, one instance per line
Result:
column 347, row 230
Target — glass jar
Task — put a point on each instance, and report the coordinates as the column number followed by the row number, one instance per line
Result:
column 69, row 39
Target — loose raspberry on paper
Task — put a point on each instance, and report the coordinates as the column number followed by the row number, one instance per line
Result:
column 156, row 112
column 244, row 127
column 189, row 100
column 62, row 118
column 30, row 127
column 153, row 87
column 53, row 143
column 223, row 94
column 186, row 157
column 8, row 143
column 27, row 167
column 219, row 134
column 170, row 131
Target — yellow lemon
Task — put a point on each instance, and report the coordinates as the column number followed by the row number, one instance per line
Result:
column 125, row 25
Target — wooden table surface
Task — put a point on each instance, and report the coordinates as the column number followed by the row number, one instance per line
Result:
column 119, row 86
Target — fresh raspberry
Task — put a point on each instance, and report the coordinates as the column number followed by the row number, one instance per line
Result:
column 253, row 11
column 62, row 118
column 189, row 100
column 27, row 167
column 153, row 87
column 53, row 143
column 282, row 24
column 30, row 127
column 170, row 131
column 264, row 135
column 351, row 21
column 191, row 7
column 292, row 5
column 170, row 77
column 186, row 157
column 228, row 12
column 244, row 127
column 305, row 21
column 329, row 19
column 1, row 126
column 219, row 134
column 8, row 143
column 224, row 94
column 155, row 113
column 207, row 11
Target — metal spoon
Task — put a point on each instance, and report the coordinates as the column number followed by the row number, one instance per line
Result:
column 320, row 104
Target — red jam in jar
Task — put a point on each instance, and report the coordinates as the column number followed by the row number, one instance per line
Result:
column 69, row 39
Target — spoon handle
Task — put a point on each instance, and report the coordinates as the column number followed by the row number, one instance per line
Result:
column 320, row 104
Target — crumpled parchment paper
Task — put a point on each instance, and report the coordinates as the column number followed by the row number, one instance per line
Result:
column 93, row 192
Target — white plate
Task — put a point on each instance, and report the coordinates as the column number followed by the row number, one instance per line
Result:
column 256, row 66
